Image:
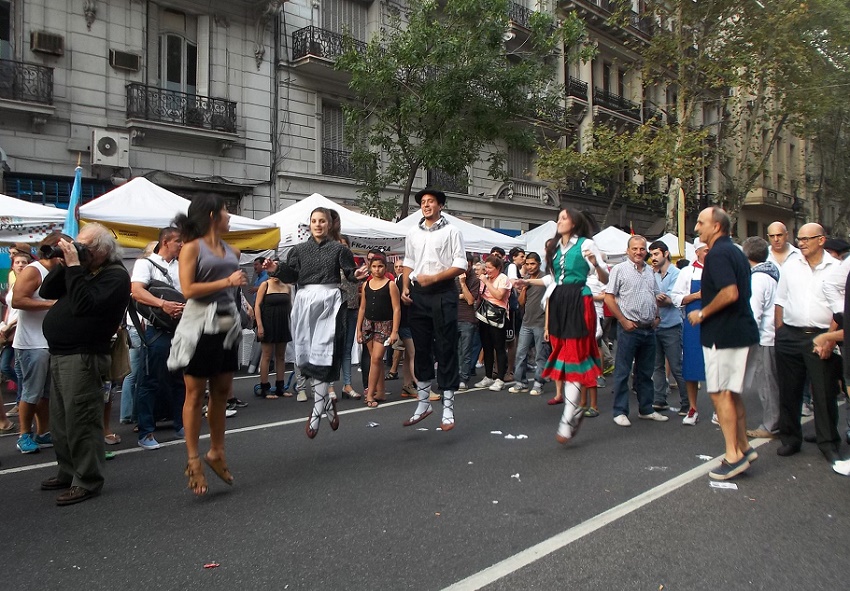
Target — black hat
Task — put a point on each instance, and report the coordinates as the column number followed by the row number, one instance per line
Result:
column 439, row 195
column 836, row 244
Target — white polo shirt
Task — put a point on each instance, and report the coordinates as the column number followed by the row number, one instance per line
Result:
column 144, row 272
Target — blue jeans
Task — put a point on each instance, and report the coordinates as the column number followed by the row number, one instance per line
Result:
column 156, row 379
column 466, row 333
column 527, row 336
column 351, row 328
column 130, row 387
column 668, row 345
column 637, row 346
column 474, row 351
column 7, row 365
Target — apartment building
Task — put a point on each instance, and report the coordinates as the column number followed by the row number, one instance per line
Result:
column 179, row 91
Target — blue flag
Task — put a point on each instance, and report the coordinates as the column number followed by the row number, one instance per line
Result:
column 72, row 222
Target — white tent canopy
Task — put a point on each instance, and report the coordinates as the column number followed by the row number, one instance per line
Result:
column 139, row 202
column 613, row 243
column 536, row 239
column 672, row 242
column 475, row 238
column 365, row 232
column 22, row 221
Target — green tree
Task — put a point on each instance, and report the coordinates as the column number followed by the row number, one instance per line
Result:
column 438, row 88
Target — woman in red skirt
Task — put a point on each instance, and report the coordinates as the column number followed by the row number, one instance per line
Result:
column 570, row 316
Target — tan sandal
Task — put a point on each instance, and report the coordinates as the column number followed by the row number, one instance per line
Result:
column 195, row 472
column 219, row 466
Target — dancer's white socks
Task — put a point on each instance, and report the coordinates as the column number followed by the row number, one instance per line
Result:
column 448, row 406
column 572, row 395
column 321, row 402
column 423, row 392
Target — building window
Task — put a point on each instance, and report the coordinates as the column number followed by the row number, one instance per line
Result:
column 336, row 157
column 5, row 30
column 752, row 228
column 178, row 52
column 519, row 164
column 345, row 16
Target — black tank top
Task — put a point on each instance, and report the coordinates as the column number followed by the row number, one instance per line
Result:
column 379, row 304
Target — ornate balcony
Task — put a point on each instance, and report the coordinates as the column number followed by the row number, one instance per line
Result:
column 576, row 91
column 526, row 191
column 520, row 15
column 168, row 112
column 337, row 163
column 769, row 199
column 27, row 88
column 577, row 88
column 613, row 105
column 596, row 13
column 315, row 50
column 446, row 182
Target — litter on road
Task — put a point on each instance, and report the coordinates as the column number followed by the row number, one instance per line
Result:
column 729, row 485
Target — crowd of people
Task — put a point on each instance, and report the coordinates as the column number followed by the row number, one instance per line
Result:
column 763, row 318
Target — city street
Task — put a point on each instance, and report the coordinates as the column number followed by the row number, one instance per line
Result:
column 494, row 504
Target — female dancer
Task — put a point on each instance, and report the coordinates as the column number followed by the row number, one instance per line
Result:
column 205, row 342
column 570, row 315
column 318, row 315
column 272, row 310
column 377, row 324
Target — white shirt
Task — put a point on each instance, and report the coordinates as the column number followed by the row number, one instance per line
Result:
column 588, row 246
column 833, row 285
column 429, row 252
column 762, row 300
column 682, row 287
column 794, row 254
column 29, row 334
column 801, row 295
column 144, row 272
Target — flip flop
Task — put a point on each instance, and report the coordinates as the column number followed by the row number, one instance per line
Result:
column 372, row 403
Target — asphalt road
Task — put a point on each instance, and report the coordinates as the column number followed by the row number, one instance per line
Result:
column 388, row 507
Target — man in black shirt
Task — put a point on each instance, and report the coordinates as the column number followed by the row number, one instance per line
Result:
column 727, row 331
column 92, row 290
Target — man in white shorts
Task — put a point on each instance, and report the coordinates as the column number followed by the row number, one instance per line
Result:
column 728, row 329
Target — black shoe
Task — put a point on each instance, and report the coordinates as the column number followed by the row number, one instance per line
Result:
column 234, row 403
column 832, row 456
column 683, row 410
column 788, row 450
column 661, row 407
column 810, row 438
column 54, row 484
column 74, row 495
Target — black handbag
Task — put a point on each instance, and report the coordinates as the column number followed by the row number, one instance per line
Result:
column 489, row 313
column 163, row 290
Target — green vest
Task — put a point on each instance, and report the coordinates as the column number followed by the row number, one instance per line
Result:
column 571, row 268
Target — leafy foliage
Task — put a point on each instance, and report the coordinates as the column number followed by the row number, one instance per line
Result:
column 438, row 88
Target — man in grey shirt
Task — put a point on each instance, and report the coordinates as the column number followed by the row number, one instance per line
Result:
column 531, row 332
column 631, row 295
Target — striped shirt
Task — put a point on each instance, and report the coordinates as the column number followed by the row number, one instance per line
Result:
column 635, row 290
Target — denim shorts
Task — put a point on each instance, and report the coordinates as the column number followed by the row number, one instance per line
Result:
column 35, row 370
column 405, row 333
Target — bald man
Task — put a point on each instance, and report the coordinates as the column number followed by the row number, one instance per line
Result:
column 780, row 249
column 803, row 310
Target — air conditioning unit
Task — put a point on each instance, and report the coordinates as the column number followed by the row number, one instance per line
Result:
column 109, row 148
column 44, row 42
column 124, row 60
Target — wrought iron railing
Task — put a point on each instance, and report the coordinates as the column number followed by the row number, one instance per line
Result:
column 320, row 43
column 31, row 83
column 651, row 115
column 519, row 14
column 190, row 110
column 337, row 163
column 444, row 181
column 577, row 88
column 616, row 103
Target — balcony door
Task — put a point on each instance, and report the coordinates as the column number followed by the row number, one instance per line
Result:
column 345, row 16
column 6, row 52
column 178, row 69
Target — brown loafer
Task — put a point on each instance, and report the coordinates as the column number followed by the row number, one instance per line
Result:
column 74, row 495
column 54, row 484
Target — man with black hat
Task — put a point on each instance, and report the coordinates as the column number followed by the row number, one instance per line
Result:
column 434, row 255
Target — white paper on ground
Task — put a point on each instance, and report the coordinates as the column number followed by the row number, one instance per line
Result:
column 495, row 432
column 729, row 485
column 509, row 436
column 704, row 457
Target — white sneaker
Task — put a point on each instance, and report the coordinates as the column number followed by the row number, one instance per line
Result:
column 461, row 387
column 497, row 385
column 691, row 418
column 714, row 420
column 302, row 396
column 654, row 416
column 623, row 421
column 842, row 467
column 807, row 410
column 485, row 383
column 230, row 412
column 534, row 392
column 517, row 388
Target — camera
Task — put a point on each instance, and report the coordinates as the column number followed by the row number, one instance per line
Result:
column 51, row 252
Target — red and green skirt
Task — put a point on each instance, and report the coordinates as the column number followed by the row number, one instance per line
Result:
column 575, row 359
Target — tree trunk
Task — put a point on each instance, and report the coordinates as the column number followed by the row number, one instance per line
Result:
column 408, row 187
column 614, row 195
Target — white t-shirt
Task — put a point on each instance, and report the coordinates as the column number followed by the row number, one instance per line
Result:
column 144, row 272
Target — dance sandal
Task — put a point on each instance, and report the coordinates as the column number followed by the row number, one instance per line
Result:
column 447, row 424
column 333, row 422
column 195, row 472
column 219, row 466
column 311, row 433
column 417, row 417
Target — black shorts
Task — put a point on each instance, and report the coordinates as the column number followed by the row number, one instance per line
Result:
column 211, row 358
